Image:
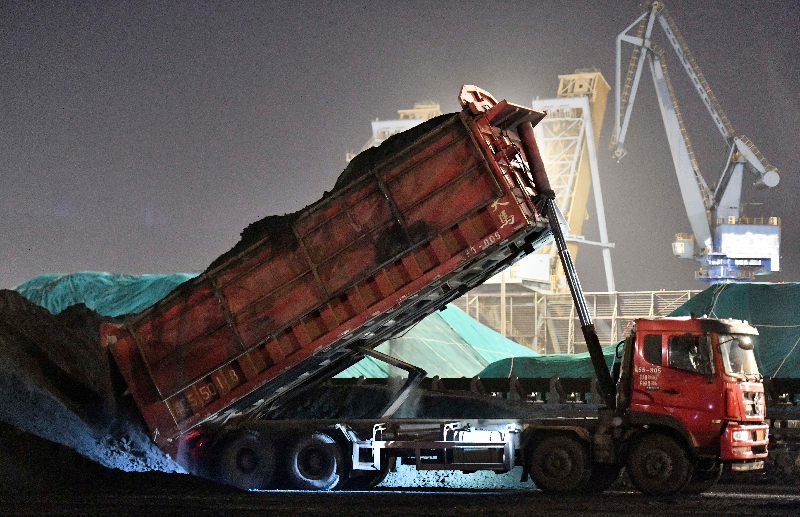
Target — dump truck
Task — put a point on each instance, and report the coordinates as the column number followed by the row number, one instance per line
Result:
column 409, row 227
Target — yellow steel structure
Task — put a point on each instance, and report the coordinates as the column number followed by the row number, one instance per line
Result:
column 565, row 152
column 595, row 87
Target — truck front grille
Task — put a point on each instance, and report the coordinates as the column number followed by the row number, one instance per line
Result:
column 753, row 403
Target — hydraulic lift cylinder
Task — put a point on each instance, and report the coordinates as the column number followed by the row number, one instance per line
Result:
column 606, row 383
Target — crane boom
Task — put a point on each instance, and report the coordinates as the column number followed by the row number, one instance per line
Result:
column 729, row 246
column 693, row 188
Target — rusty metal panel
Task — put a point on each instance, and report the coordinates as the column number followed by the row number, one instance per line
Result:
column 415, row 181
column 357, row 253
column 180, row 325
column 257, row 280
column 188, row 362
column 268, row 315
column 467, row 193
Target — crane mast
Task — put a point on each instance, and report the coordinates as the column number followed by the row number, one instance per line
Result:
column 729, row 246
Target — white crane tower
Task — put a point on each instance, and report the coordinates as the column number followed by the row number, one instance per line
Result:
column 729, row 246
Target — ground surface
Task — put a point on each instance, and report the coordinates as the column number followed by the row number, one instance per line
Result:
column 184, row 496
column 40, row 477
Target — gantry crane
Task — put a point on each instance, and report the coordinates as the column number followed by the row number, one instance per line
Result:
column 568, row 137
column 729, row 246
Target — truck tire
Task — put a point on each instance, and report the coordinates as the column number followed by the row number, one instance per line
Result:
column 559, row 464
column 658, row 465
column 316, row 462
column 246, row 460
column 702, row 480
column 366, row 479
column 602, row 477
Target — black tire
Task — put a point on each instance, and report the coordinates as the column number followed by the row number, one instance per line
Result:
column 659, row 465
column 366, row 479
column 702, row 480
column 245, row 460
column 602, row 477
column 316, row 462
column 559, row 464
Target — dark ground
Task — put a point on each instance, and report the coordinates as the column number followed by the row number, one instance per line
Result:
column 53, row 383
column 44, row 478
column 184, row 496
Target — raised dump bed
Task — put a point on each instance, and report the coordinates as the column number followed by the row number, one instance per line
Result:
column 410, row 226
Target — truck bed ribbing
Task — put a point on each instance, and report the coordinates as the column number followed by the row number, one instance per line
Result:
column 302, row 295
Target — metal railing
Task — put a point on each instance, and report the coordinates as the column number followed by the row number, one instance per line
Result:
column 547, row 323
column 772, row 221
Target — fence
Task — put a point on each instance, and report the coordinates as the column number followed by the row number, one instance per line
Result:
column 547, row 323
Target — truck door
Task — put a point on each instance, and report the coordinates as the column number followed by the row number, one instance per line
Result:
column 674, row 374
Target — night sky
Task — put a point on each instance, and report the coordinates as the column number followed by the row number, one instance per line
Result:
column 142, row 137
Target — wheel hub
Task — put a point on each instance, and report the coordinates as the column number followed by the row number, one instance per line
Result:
column 246, row 460
column 658, row 465
column 558, row 464
column 314, row 463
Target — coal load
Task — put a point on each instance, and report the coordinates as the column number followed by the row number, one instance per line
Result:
column 276, row 230
column 58, row 384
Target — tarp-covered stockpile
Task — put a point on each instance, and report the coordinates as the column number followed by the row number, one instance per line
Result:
column 774, row 309
column 561, row 365
column 106, row 293
column 447, row 343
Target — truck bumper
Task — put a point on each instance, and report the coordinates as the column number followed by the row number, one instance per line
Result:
column 743, row 445
column 747, row 465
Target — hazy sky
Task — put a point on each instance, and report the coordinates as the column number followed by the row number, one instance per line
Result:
column 142, row 137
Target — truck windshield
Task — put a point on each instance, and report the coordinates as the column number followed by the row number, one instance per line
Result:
column 737, row 355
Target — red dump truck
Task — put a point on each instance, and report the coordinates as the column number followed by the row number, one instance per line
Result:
column 408, row 228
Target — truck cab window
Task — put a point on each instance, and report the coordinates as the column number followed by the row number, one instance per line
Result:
column 652, row 349
column 738, row 359
column 689, row 352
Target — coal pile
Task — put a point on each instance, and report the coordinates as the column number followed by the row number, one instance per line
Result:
column 59, row 384
column 276, row 230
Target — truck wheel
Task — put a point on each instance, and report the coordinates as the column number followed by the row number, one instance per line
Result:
column 602, row 477
column 366, row 479
column 246, row 460
column 658, row 465
column 702, row 480
column 316, row 463
column 559, row 464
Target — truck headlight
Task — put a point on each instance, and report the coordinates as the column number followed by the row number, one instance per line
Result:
column 741, row 436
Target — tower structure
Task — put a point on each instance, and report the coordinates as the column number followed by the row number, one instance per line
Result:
column 568, row 138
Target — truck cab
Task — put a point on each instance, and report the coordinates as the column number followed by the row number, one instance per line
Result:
column 696, row 381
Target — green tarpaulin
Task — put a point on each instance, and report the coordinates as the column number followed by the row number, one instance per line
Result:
column 107, row 293
column 774, row 309
column 447, row 343
column 562, row 365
